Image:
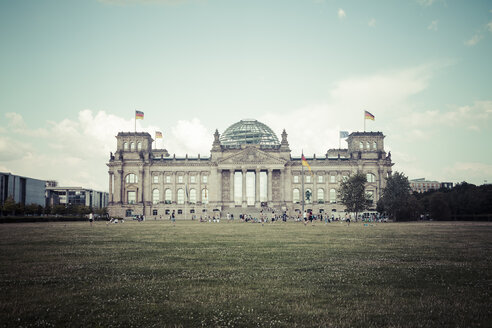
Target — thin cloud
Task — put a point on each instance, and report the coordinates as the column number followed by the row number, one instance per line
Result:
column 433, row 26
column 489, row 26
column 474, row 40
column 426, row 3
column 143, row 2
column 341, row 13
column 372, row 22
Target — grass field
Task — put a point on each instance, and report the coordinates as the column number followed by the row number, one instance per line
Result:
column 245, row 274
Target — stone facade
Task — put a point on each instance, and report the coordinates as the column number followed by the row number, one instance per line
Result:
column 237, row 179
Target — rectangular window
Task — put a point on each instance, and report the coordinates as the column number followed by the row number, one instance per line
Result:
column 180, row 179
column 320, row 178
column 296, row 179
column 155, row 179
column 308, row 179
column 168, row 179
column 205, row 179
column 154, row 212
column 333, row 179
column 192, row 179
column 132, row 197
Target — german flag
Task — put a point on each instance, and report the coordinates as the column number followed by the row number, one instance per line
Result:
column 368, row 116
column 305, row 163
column 139, row 115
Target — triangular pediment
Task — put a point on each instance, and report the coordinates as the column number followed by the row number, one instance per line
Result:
column 252, row 155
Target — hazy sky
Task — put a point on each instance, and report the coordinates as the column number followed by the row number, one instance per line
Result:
column 72, row 74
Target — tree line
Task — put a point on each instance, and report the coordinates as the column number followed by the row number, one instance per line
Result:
column 12, row 208
column 464, row 201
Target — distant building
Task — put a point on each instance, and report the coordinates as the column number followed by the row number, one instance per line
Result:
column 421, row 185
column 76, row 196
column 447, row 185
column 24, row 190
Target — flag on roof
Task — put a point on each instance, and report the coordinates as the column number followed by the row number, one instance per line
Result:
column 139, row 115
column 305, row 163
column 368, row 116
column 344, row 134
column 158, row 134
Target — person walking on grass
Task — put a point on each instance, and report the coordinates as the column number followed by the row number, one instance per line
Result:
column 173, row 217
column 91, row 218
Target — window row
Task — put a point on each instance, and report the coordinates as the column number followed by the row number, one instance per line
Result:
column 308, row 196
column 182, row 195
column 180, row 179
column 132, row 178
column 368, row 145
column 131, row 146
column 332, row 178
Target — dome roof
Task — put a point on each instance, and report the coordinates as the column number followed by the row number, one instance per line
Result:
column 249, row 132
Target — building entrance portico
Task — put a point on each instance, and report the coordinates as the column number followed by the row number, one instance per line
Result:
column 250, row 187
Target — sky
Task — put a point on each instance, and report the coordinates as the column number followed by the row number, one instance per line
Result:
column 72, row 74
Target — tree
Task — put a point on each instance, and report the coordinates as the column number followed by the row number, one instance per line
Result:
column 439, row 207
column 397, row 196
column 9, row 206
column 353, row 193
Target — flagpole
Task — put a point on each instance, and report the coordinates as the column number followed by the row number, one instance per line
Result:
column 364, row 121
column 339, row 140
column 302, row 185
column 135, row 122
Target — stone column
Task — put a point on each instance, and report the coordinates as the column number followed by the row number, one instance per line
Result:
column 270, row 184
column 162, row 190
column 199, row 187
column 315, row 187
column 121, row 186
column 257, row 187
column 219, row 187
column 173, row 191
column 282, row 186
column 141, row 184
column 111, row 176
column 231, row 186
column 245, row 203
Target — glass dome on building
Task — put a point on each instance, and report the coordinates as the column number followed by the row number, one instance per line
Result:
column 249, row 132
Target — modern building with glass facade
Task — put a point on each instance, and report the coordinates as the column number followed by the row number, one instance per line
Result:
column 76, row 196
column 24, row 190
column 248, row 169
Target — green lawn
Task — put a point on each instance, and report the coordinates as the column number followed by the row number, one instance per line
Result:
column 245, row 274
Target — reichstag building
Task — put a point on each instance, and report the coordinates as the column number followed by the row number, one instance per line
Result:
column 248, row 170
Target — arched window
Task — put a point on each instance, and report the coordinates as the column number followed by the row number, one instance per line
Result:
column 181, row 196
column 321, row 196
column 132, row 146
column 204, row 196
column 333, row 196
column 125, row 146
column 155, row 196
column 361, row 145
column 168, row 196
column 139, row 146
column 131, row 178
column 295, row 196
column 192, row 196
column 308, row 196
column 368, row 145
column 374, row 145
column 371, row 177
